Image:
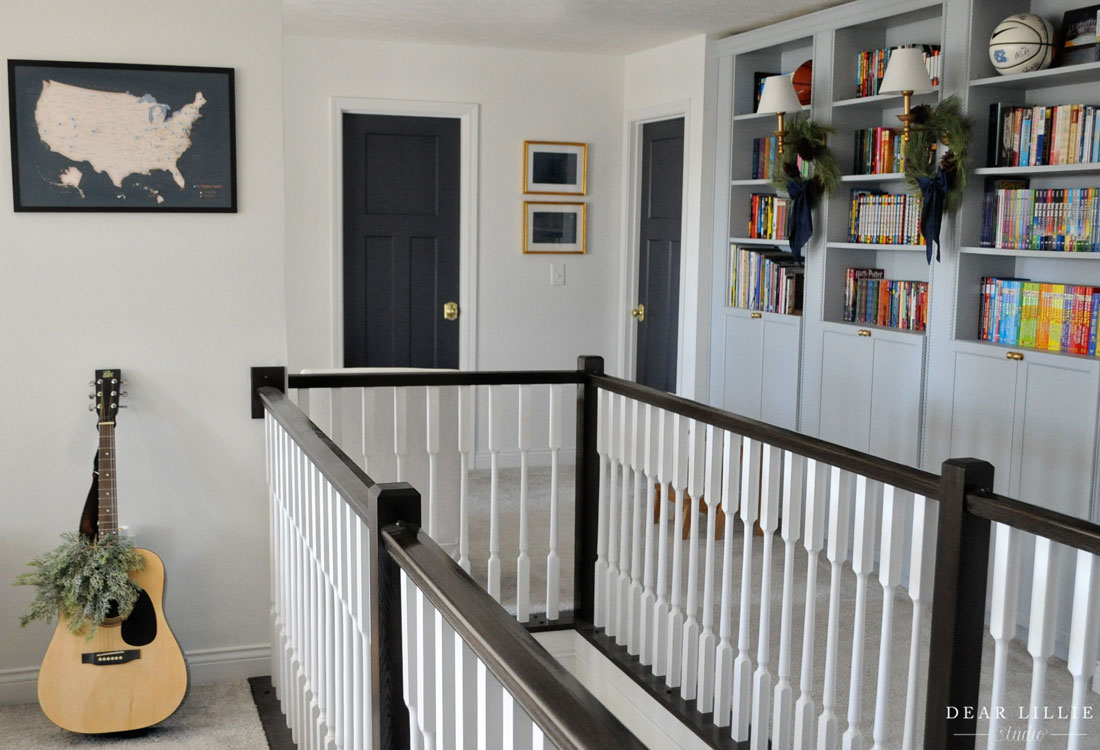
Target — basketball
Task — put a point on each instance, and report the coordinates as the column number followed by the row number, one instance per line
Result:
column 1021, row 43
column 803, row 80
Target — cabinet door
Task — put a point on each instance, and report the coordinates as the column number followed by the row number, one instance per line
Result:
column 1058, row 436
column 744, row 342
column 896, row 397
column 983, row 410
column 781, row 365
column 846, row 364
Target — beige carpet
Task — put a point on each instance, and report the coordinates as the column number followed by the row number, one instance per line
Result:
column 218, row 715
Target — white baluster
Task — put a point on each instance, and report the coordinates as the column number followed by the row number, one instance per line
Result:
column 599, row 615
column 431, row 416
column 742, row 665
column 817, row 509
column 368, row 426
column 444, row 684
column 303, row 400
column 490, row 729
column 689, row 666
column 1002, row 617
column 495, row 440
column 553, row 563
column 1041, row 630
column 649, row 596
column 517, row 724
column 868, row 497
column 660, row 607
column 704, row 700
column 409, row 651
column 337, row 406
column 400, row 430
column 425, row 666
column 622, row 585
column 783, row 702
column 467, row 706
column 465, row 448
column 922, row 575
column 769, row 521
column 611, row 584
column 723, row 655
column 828, row 733
column 523, row 561
column 889, row 575
column 634, row 594
column 1084, row 633
column 680, row 452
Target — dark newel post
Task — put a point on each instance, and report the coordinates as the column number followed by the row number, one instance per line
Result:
column 958, row 609
column 393, row 503
column 588, row 491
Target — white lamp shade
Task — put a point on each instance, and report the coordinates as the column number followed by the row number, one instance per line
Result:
column 906, row 71
column 779, row 96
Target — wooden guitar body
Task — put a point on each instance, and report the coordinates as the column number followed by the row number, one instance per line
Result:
column 130, row 675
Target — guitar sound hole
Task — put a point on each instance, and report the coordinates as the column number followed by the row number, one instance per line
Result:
column 140, row 628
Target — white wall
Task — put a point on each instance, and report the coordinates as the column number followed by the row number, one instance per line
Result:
column 183, row 304
column 672, row 78
column 522, row 322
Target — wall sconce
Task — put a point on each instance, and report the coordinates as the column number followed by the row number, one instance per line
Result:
column 907, row 74
column 779, row 97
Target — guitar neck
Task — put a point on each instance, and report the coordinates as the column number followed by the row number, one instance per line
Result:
column 108, row 483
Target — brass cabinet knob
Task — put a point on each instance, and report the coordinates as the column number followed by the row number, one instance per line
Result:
column 639, row 313
column 756, row 315
column 1018, row 356
column 450, row 310
column 863, row 332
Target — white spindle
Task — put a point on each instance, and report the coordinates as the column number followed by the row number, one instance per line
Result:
column 465, row 450
column 723, row 655
column 634, row 595
column 553, row 563
column 400, row 430
column 1084, row 633
column 707, row 640
column 772, row 485
column 523, row 561
column 689, row 666
column 742, row 665
column 622, row 585
column 467, row 706
column 369, row 426
column 660, row 607
column 783, row 701
column 614, row 454
column 922, row 571
column 868, row 497
column 817, row 509
column 1040, row 635
column 443, row 684
column 490, row 727
column 495, row 441
column 674, row 645
column 649, row 596
column 337, row 406
column 1002, row 617
column 828, row 734
column 426, row 668
column 889, row 575
column 409, row 651
column 599, row 614
column 431, row 417
column 303, row 400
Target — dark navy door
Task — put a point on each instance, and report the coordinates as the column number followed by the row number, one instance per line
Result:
column 401, row 240
column 659, row 252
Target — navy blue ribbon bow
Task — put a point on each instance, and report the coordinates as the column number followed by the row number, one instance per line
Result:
column 933, row 191
column 800, row 224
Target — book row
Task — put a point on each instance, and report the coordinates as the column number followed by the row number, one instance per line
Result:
column 765, row 279
column 1039, row 315
column 1015, row 217
column 871, row 67
column 763, row 159
column 768, row 216
column 871, row 299
column 877, row 151
column 1043, row 136
column 884, row 218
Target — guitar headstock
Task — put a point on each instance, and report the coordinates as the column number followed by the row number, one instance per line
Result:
column 107, row 393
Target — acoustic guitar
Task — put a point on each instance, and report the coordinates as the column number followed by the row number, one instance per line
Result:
column 131, row 674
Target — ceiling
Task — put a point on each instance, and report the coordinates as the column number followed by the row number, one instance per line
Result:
column 615, row 27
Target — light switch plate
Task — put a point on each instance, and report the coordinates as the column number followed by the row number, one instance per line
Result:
column 557, row 274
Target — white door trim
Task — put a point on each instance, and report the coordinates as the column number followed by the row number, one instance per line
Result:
column 467, row 114
column 632, row 198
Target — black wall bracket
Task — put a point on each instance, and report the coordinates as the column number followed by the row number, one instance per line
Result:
column 261, row 376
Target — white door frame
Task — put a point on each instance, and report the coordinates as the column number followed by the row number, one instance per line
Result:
column 632, row 199
column 467, row 115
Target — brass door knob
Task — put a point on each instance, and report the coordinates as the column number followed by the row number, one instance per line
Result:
column 450, row 310
column 639, row 313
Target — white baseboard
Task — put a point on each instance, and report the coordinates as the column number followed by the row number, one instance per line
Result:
column 645, row 717
column 204, row 666
column 509, row 458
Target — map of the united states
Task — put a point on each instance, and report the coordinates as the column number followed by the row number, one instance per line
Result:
column 118, row 134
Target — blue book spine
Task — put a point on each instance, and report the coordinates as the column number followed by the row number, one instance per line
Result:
column 1094, row 322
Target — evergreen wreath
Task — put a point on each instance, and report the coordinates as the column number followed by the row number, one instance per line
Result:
column 931, row 124
column 807, row 138
column 83, row 579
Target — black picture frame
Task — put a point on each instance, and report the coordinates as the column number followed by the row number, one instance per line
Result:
column 1077, row 38
column 92, row 136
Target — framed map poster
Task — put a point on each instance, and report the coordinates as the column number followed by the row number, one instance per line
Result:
column 117, row 137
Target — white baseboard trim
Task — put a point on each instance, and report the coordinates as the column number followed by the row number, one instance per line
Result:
column 509, row 458
column 204, row 666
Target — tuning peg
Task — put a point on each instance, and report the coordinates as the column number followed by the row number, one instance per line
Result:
column 91, row 395
column 91, row 382
column 124, row 393
column 125, row 382
column 91, row 407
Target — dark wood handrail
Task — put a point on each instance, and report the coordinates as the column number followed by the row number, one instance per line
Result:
column 436, row 378
column 895, row 474
column 567, row 713
column 1058, row 527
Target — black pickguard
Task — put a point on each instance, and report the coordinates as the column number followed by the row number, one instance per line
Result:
column 140, row 628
